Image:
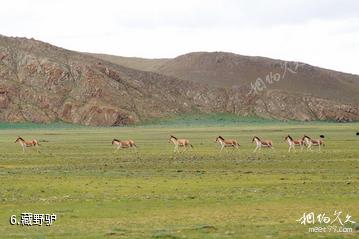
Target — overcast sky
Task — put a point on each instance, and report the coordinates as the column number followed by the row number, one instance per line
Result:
column 319, row 32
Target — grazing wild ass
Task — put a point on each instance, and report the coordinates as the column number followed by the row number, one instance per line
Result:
column 293, row 143
column 25, row 144
column 227, row 143
column 308, row 142
column 179, row 143
column 260, row 143
column 124, row 144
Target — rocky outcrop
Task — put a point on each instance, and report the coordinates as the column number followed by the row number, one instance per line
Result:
column 42, row 83
column 281, row 105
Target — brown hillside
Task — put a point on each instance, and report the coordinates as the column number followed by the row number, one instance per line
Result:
column 43, row 83
column 137, row 63
column 237, row 71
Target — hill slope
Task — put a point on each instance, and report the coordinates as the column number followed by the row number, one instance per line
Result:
column 137, row 63
column 236, row 71
column 43, row 83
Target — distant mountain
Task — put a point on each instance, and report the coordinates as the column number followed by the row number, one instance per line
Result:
column 137, row 63
column 236, row 71
column 43, row 83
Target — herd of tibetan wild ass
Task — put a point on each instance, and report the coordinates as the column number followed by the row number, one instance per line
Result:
column 305, row 141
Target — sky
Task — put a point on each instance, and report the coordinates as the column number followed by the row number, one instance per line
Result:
column 323, row 33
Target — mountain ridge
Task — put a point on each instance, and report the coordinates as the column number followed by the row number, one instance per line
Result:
column 43, row 83
column 241, row 71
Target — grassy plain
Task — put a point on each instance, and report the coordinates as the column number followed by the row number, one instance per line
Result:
column 198, row 194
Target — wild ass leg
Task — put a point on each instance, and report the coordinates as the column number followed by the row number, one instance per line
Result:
column 117, row 148
column 37, row 147
column 175, row 148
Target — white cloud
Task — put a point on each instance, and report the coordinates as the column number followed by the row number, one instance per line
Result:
column 323, row 33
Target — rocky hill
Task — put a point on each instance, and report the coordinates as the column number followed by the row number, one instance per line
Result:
column 43, row 83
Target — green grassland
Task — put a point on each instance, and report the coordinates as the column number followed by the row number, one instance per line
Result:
column 197, row 194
